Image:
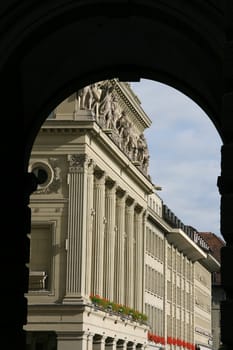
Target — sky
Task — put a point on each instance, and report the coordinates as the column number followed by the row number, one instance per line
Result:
column 185, row 153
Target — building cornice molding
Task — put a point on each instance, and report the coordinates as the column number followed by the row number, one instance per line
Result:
column 131, row 101
column 90, row 127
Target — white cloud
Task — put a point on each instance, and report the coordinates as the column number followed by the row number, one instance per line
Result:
column 184, row 154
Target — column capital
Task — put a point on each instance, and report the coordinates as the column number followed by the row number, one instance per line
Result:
column 120, row 193
column 77, row 162
column 139, row 209
column 110, row 184
column 130, row 201
column 99, row 173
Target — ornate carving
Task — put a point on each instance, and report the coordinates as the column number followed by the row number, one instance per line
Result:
column 55, row 183
column 101, row 98
column 110, row 184
column 130, row 201
column 99, row 173
column 78, row 162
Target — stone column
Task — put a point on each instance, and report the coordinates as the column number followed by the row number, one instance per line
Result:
column 109, row 241
column 144, row 224
column 98, row 233
column 129, row 250
column 90, row 341
column 71, row 340
column 138, row 259
column 76, row 241
column 119, row 248
column 89, row 226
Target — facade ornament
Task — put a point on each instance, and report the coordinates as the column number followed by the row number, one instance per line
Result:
column 99, row 173
column 102, row 100
column 54, row 177
column 77, row 162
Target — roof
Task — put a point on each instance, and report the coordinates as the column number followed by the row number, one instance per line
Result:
column 215, row 243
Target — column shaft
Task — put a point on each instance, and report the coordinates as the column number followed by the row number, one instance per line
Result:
column 89, row 226
column 90, row 341
column 119, row 251
column 138, row 262
column 75, row 281
column 109, row 244
column 98, row 234
column 129, row 257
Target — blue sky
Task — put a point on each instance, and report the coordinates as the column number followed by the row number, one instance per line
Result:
column 185, row 154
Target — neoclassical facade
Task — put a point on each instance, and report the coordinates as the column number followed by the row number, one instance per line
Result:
column 109, row 265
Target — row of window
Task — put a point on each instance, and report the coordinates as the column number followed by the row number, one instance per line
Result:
column 154, row 245
column 179, row 263
column 179, row 296
column 155, row 319
column 154, row 205
column 180, row 329
column 154, row 281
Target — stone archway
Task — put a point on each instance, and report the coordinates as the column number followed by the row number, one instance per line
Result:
column 49, row 50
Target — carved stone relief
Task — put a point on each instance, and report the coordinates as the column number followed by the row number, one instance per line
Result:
column 102, row 99
column 54, row 174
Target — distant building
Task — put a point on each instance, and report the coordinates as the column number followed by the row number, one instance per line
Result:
column 111, row 266
column 215, row 243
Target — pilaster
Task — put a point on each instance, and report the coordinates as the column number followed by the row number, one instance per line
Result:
column 138, row 259
column 109, row 241
column 89, row 226
column 129, row 252
column 76, row 240
column 98, row 232
column 144, row 225
column 90, row 341
column 119, row 250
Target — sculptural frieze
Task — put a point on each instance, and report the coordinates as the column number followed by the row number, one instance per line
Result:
column 102, row 100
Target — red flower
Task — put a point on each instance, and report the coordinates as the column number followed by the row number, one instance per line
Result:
column 150, row 336
column 162, row 340
column 169, row 340
column 178, row 342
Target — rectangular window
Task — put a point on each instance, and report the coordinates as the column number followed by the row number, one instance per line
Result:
column 40, row 257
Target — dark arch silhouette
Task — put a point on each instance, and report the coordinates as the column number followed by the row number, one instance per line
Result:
column 49, row 49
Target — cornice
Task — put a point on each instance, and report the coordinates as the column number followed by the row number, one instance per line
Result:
column 131, row 101
column 61, row 127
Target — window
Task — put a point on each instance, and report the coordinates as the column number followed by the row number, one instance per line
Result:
column 40, row 257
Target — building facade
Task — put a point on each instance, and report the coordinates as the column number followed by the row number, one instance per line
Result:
column 216, row 244
column 110, row 265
